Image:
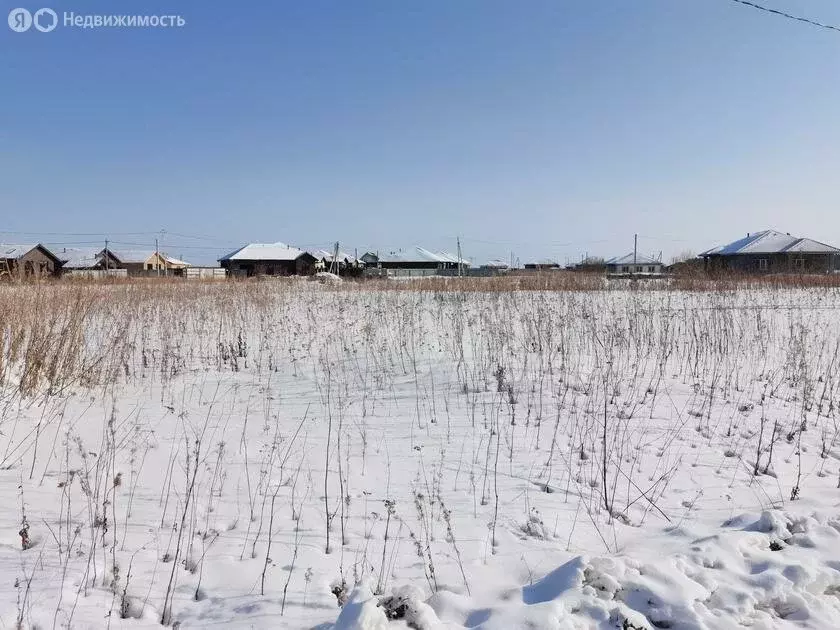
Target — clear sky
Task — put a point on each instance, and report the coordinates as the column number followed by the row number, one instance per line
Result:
column 547, row 128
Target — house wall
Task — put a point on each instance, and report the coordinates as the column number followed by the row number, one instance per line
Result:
column 133, row 269
column 108, row 262
column 34, row 264
column 774, row 263
column 148, row 267
column 303, row 266
column 415, row 268
column 96, row 274
column 413, row 265
column 157, row 262
column 631, row 268
column 153, row 263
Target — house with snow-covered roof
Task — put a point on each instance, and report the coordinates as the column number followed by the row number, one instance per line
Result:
column 343, row 262
column 31, row 260
column 634, row 263
column 420, row 262
column 770, row 251
column 268, row 259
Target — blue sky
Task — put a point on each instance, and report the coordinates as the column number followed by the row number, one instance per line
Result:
column 546, row 128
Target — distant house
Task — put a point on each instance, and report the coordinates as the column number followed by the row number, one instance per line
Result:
column 135, row 261
column 32, row 260
column 543, row 265
column 268, row 259
column 421, row 262
column 773, row 252
column 590, row 264
column 74, row 260
column 497, row 264
column 175, row 266
column 634, row 264
column 141, row 262
column 89, row 264
column 346, row 263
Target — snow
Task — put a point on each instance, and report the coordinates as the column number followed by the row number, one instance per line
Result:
column 422, row 255
column 265, row 251
column 132, row 256
column 465, row 452
column 322, row 254
column 770, row 242
column 810, row 245
column 633, row 259
column 730, row 580
column 10, row 251
column 78, row 258
column 325, row 277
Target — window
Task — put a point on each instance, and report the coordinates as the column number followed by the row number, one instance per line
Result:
column 625, row 269
column 149, row 266
column 651, row 269
column 763, row 264
column 799, row 264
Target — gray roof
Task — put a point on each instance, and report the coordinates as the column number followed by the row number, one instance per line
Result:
column 323, row 254
column 631, row 259
column 16, row 250
column 423, row 256
column 132, row 256
column 441, row 256
column 770, row 242
column 175, row 262
column 265, row 251
column 9, row 250
column 79, row 258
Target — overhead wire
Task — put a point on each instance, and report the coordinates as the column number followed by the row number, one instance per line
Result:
column 789, row 16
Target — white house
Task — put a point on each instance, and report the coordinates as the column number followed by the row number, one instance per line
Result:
column 635, row 264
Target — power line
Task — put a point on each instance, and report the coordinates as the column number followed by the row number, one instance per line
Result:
column 556, row 244
column 667, row 239
column 787, row 15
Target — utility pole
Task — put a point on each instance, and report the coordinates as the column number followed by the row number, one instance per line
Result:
column 106, row 257
column 458, row 240
column 635, row 248
column 165, row 271
column 157, row 257
column 334, row 264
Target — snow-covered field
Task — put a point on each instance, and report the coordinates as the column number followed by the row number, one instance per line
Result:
column 255, row 455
